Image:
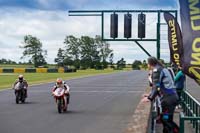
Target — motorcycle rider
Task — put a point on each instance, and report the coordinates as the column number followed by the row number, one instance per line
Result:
column 61, row 84
column 163, row 85
column 21, row 80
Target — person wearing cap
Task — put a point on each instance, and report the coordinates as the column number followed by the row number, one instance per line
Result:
column 22, row 80
column 163, row 85
column 61, row 84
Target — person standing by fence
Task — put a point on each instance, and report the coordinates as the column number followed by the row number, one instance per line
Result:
column 179, row 81
column 163, row 84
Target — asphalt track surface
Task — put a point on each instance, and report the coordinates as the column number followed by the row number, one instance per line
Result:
column 99, row 104
column 193, row 88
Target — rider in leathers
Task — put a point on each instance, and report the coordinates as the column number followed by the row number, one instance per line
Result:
column 21, row 80
column 162, row 83
column 60, row 83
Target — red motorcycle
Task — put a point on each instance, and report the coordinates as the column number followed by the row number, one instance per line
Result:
column 60, row 98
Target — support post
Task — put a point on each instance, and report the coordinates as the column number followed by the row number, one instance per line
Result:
column 142, row 48
column 181, row 123
column 158, row 36
column 102, row 25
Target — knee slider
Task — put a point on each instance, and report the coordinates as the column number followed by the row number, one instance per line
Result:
column 165, row 117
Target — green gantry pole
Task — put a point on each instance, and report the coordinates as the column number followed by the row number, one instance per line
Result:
column 158, row 36
column 102, row 25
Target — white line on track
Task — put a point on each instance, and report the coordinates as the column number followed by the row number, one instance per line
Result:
column 109, row 91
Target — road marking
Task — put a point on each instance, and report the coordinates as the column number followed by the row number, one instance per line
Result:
column 109, row 91
column 94, row 91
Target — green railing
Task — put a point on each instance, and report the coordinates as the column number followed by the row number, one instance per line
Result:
column 155, row 112
column 191, row 112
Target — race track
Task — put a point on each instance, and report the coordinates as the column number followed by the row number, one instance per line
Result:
column 99, row 104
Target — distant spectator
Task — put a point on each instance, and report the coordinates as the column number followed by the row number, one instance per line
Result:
column 179, row 81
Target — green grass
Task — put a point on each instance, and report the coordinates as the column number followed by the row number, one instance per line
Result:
column 15, row 66
column 22, row 66
column 7, row 79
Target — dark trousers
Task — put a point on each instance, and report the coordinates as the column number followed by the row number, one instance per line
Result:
column 179, row 92
column 168, row 108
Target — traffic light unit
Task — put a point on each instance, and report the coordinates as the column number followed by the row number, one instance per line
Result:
column 141, row 25
column 127, row 25
column 114, row 25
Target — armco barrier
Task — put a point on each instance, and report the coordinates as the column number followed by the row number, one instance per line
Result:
column 30, row 70
column 70, row 70
column 61, row 70
column 36, row 70
column 41, row 70
column 19, row 70
column 8, row 70
column 52, row 70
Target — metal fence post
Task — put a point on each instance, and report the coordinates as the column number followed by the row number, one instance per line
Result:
column 181, row 123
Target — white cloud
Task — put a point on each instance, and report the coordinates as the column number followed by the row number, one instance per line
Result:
column 51, row 27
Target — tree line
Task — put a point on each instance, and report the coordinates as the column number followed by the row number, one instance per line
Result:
column 82, row 53
column 7, row 61
column 85, row 52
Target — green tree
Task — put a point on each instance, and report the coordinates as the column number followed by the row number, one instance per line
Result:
column 88, row 52
column 33, row 49
column 68, row 61
column 104, row 50
column 60, row 57
column 72, row 50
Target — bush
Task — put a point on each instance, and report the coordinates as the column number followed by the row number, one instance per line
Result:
column 136, row 65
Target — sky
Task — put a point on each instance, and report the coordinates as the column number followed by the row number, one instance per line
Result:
column 48, row 20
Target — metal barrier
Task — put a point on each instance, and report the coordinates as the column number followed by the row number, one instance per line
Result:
column 155, row 112
column 191, row 112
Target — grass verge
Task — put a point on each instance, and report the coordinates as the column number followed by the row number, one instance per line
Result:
column 7, row 79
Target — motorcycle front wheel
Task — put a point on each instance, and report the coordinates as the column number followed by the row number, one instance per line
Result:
column 59, row 102
column 17, row 97
column 23, row 97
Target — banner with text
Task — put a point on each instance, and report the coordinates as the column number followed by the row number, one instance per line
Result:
column 190, row 23
column 175, row 39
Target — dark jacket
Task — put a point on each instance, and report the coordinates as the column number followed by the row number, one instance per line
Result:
column 162, row 83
